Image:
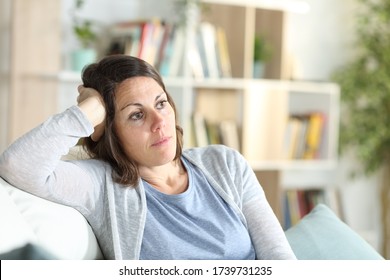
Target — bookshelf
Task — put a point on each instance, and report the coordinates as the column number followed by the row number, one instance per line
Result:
column 259, row 108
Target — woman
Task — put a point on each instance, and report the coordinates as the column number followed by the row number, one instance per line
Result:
column 143, row 196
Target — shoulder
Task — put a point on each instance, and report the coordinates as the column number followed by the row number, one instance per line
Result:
column 214, row 154
column 214, row 150
column 225, row 168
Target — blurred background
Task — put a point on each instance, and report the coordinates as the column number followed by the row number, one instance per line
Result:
column 312, row 54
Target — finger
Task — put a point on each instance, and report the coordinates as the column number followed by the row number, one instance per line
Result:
column 98, row 132
column 84, row 93
column 80, row 88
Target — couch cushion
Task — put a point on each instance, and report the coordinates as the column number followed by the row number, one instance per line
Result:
column 59, row 229
column 321, row 235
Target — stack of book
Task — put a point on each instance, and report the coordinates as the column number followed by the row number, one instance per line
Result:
column 299, row 202
column 207, row 133
column 303, row 136
column 165, row 46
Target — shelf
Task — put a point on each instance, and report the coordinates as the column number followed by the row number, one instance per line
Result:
column 301, row 165
column 75, row 77
column 237, row 83
column 223, row 83
column 293, row 6
column 63, row 76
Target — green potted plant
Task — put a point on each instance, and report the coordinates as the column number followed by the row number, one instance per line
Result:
column 86, row 36
column 365, row 96
column 261, row 54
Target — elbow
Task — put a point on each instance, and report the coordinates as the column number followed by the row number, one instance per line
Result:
column 15, row 173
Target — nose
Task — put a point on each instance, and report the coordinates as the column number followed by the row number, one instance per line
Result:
column 157, row 120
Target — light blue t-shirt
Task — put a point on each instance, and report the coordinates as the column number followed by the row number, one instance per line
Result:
column 196, row 224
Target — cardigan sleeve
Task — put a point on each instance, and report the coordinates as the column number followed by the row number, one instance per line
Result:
column 33, row 162
column 267, row 235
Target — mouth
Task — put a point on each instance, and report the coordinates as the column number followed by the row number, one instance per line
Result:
column 162, row 141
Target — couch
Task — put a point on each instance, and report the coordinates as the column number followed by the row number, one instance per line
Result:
column 34, row 228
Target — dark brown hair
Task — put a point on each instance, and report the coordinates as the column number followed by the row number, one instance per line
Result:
column 105, row 76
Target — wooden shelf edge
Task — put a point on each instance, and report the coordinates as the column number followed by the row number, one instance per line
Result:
column 280, row 165
column 293, row 6
column 222, row 83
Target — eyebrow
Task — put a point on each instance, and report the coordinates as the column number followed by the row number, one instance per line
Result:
column 139, row 104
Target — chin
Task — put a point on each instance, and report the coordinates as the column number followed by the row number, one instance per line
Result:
column 163, row 157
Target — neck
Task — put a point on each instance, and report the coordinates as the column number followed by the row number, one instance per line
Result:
column 171, row 178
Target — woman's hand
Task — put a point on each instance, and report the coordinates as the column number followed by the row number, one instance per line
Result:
column 92, row 105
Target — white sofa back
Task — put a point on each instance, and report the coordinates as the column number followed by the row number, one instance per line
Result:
column 60, row 230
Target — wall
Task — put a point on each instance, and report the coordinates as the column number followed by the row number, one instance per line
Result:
column 361, row 200
column 321, row 40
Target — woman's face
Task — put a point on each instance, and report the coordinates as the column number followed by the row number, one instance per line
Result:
column 145, row 122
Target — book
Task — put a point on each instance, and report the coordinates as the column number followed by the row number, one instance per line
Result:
column 293, row 206
column 163, row 50
column 300, row 144
column 129, row 33
column 144, row 39
column 156, row 41
column 303, row 136
column 314, row 135
column 299, row 202
column 223, row 53
column 229, row 134
column 286, row 213
column 167, row 52
column 291, row 137
column 200, row 130
column 177, row 53
column 208, row 39
column 123, row 36
column 195, row 62
column 303, row 206
column 213, row 132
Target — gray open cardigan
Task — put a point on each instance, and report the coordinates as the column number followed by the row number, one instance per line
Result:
column 117, row 213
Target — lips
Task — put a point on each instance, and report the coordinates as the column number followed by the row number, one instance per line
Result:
column 161, row 141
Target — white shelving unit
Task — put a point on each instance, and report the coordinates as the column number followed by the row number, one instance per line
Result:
column 260, row 107
column 293, row 6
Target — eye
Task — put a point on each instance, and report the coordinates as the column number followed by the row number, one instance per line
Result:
column 161, row 104
column 136, row 116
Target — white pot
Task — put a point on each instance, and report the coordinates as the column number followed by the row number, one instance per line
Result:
column 258, row 69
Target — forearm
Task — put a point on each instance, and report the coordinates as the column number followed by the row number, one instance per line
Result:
column 266, row 232
column 93, row 109
column 92, row 105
